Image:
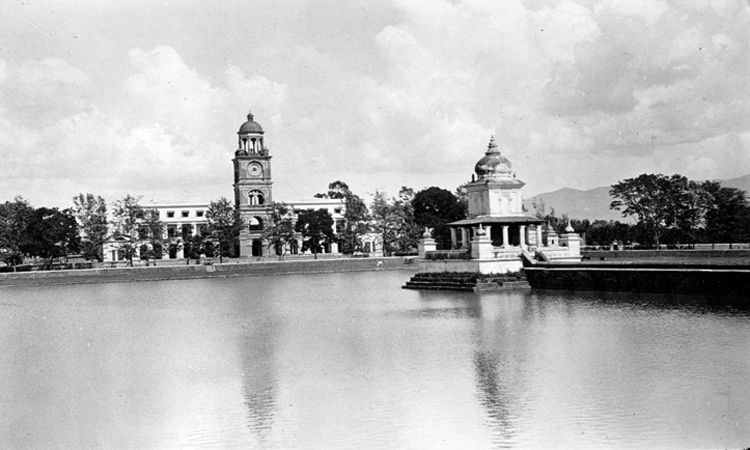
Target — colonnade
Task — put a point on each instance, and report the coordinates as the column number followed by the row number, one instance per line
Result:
column 522, row 236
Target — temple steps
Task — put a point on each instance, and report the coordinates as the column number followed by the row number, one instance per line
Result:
column 466, row 281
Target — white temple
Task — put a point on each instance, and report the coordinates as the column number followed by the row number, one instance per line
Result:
column 497, row 232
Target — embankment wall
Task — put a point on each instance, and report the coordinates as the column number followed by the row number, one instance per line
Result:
column 172, row 272
column 646, row 277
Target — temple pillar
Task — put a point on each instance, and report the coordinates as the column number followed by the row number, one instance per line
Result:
column 464, row 237
column 453, row 238
column 522, row 236
column 505, row 236
column 538, row 235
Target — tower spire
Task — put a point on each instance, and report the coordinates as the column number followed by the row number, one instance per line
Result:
column 492, row 146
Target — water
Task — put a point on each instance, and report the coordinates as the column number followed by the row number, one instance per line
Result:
column 353, row 361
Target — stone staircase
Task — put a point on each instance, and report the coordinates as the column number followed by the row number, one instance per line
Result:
column 466, row 281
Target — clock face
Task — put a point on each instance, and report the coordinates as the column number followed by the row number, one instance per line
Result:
column 254, row 170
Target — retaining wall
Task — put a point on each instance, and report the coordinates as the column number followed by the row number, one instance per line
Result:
column 171, row 272
column 727, row 280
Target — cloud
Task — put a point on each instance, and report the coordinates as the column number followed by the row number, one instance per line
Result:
column 577, row 93
column 170, row 137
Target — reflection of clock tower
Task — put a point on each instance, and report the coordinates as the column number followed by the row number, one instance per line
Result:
column 252, row 187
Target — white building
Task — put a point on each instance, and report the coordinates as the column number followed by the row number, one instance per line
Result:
column 496, row 232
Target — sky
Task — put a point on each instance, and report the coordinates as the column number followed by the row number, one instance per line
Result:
column 146, row 97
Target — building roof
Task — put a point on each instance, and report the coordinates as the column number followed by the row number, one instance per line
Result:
column 510, row 220
column 251, row 126
column 492, row 163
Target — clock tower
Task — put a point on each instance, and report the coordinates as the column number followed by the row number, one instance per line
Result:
column 252, row 187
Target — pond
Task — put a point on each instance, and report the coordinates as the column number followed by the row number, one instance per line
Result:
column 353, row 361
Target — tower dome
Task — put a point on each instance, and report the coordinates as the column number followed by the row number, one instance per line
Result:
column 493, row 163
column 251, row 126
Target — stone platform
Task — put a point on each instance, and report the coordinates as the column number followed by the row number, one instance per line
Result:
column 466, row 281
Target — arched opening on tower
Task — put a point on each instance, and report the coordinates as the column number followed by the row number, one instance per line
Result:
column 255, row 198
column 255, row 224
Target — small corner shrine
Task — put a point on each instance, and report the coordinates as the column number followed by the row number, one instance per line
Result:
column 497, row 233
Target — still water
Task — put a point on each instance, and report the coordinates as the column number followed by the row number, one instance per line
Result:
column 353, row 361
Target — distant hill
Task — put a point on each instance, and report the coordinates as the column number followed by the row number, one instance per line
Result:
column 738, row 183
column 593, row 204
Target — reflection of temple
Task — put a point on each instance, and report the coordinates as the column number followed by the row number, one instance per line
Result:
column 496, row 232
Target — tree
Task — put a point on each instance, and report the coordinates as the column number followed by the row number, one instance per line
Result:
column 51, row 233
column 355, row 216
column 151, row 230
column 727, row 218
column 126, row 215
column 393, row 219
column 384, row 220
column 408, row 231
column 280, row 234
column 651, row 199
column 434, row 208
column 224, row 226
column 91, row 213
column 14, row 217
column 317, row 230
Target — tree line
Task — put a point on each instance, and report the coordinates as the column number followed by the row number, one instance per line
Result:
column 84, row 228
column 667, row 210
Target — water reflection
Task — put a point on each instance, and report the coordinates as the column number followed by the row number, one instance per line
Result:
column 353, row 361
column 259, row 378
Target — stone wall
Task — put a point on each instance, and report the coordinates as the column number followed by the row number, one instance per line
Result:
column 707, row 280
column 204, row 271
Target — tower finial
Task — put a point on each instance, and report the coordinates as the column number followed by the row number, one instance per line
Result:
column 250, row 115
column 492, row 147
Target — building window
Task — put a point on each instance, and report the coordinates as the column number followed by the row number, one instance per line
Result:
column 170, row 214
column 255, row 197
column 199, row 213
column 185, row 213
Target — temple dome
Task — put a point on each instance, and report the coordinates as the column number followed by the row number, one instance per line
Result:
column 250, row 126
column 493, row 163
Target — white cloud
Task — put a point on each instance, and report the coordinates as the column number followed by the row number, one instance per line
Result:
column 578, row 93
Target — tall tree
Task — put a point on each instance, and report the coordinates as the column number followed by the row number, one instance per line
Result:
column 649, row 198
column 51, row 233
column 317, row 230
column 384, row 220
column 728, row 216
column 126, row 216
column 91, row 213
column 280, row 233
column 151, row 232
column 393, row 220
column 224, row 226
column 408, row 231
column 356, row 216
column 434, row 208
column 14, row 218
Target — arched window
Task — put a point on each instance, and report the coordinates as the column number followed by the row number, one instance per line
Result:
column 255, row 197
column 255, row 224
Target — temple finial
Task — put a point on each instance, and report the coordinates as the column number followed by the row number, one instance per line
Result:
column 250, row 115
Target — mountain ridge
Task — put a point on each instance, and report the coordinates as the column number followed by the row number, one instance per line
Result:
column 593, row 204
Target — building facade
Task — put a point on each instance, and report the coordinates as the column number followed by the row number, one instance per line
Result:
column 253, row 198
